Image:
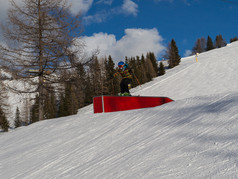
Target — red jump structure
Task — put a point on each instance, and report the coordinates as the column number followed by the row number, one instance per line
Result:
column 122, row 103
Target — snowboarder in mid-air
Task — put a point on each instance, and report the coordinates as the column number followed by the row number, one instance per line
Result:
column 125, row 72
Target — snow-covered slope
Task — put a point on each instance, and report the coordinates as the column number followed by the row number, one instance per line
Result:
column 193, row 137
column 215, row 72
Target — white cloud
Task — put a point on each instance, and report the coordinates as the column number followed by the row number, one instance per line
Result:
column 80, row 6
column 134, row 43
column 97, row 18
column 107, row 2
column 102, row 41
column 187, row 53
column 129, row 7
column 77, row 6
column 5, row 4
column 3, row 8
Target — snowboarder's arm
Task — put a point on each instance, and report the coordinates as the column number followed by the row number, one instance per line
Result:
column 116, row 74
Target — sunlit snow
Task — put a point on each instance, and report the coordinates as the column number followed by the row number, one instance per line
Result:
column 193, row 137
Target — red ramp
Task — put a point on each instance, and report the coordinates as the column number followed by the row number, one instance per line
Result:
column 122, row 103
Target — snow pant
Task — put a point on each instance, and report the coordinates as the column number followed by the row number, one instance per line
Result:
column 124, row 85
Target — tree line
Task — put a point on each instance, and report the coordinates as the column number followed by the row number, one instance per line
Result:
column 85, row 82
column 202, row 44
column 90, row 79
column 93, row 79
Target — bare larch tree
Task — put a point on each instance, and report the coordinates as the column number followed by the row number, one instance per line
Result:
column 39, row 35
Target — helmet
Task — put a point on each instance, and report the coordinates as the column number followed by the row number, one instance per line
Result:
column 120, row 63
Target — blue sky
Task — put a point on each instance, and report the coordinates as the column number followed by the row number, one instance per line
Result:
column 132, row 27
column 183, row 20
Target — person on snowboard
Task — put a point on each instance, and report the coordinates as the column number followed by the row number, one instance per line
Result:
column 125, row 73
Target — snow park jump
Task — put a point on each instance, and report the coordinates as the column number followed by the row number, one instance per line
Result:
column 122, row 103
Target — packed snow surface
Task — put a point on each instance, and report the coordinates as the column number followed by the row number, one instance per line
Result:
column 193, row 137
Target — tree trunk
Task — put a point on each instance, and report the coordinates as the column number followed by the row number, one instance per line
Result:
column 41, row 80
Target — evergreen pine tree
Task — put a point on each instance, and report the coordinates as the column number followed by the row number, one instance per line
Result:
column 139, row 69
column 161, row 69
column 197, row 48
column 3, row 98
column 233, row 39
column 173, row 54
column 200, row 46
column 220, row 42
column 127, row 60
column 154, row 62
column 110, row 66
column 203, row 44
column 62, row 110
column 67, row 99
column 105, row 81
column 144, row 78
column 35, row 110
column 133, row 66
column 150, row 72
column 4, row 124
column 50, row 105
column 17, row 121
column 89, row 93
column 209, row 44
column 110, row 71
column 81, row 84
column 96, row 77
column 74, row 103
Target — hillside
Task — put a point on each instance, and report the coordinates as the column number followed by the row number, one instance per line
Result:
column 215, row 72
column 193, row 137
